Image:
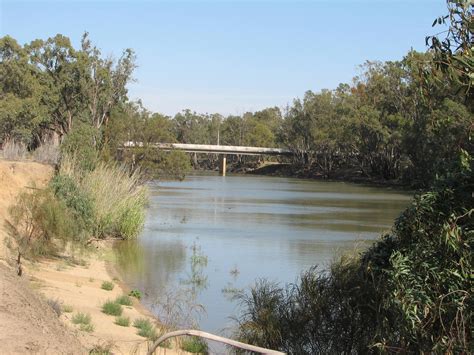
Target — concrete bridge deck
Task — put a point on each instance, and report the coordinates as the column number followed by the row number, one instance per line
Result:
column 216, row 149
column 223, row 150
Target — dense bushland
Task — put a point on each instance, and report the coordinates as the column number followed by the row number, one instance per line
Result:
column 411, row 292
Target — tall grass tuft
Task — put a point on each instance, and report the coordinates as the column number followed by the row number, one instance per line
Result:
column 47, row 152
column 118, row 196
column 14, row 150
column 112, row 308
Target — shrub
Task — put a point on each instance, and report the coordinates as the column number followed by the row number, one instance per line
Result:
column 66, row 189
column 118, row 197
column 124, row 300
column 122, row 321
column 80, row 142
column 145, row 328
column 194, row 345
column 107, row 285
column 410, row 292
column 87, row 328
column 55, row 305
column 47, row 153
column 103, row 348
column 135, row 293
column 41, row 224
column 67, row 308
column 111, row 308
column 81, row 318
column 14, row 150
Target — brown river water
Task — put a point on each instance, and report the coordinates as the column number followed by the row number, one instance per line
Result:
column 247, row 227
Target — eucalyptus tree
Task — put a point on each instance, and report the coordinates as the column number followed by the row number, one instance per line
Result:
column 48, row 85
column 106, row 82
column 21, row 110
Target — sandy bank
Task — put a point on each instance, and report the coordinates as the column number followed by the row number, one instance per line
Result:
column 79, row 287
column 27, row 323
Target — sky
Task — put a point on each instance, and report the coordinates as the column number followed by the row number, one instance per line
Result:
column 232, row 56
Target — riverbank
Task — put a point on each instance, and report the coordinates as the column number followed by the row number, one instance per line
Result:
column 37, row 309
column 28, row 324
column 345, row 175
column 76, row 284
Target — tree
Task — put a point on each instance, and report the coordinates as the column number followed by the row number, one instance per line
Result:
column 21, row 111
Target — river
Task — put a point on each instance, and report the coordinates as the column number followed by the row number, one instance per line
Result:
column 247, row 227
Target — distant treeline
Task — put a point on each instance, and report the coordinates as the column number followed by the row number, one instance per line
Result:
column 400, row 120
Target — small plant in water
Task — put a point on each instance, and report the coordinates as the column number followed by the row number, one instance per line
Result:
column 107, row 285
column 194, row 345
column 112, row 308
column 135, row 293
column 234, row 272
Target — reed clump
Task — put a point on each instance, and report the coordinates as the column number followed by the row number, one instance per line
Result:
column 117, row 194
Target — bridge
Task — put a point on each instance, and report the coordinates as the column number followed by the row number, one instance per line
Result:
column 222, row 150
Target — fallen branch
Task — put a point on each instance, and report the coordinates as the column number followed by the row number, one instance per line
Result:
column 209, row 336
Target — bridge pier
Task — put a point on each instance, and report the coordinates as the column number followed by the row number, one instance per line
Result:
column 222, row 164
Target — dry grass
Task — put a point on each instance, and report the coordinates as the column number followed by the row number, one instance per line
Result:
column 118, row 194
column 47, row 153
column 14, row 151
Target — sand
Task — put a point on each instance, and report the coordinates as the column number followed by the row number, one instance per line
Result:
column 27, row 323
column 80, row 288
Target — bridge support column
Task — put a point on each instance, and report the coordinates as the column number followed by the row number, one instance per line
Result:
column 222, row 164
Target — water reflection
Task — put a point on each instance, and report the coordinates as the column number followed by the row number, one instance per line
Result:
column 256, row 226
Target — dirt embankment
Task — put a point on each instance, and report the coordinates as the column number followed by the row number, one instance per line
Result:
column 27, row 323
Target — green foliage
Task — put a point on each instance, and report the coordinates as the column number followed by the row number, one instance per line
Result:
column 454, row 54
column 122, row 321
column 124, row 300
column 119, row 200
column 66, row 308
column 89, row 328
column 107, row 285
column 81, row 143
column 49, row 86
column 172, row 164
column 411, row 291
column 145, row 328
column 135, row 293
column 67, row 190
column 102, row 348
column 81, row 318
column 112, row 308
column 194, row 345
column 41, row 224
column 118, row 196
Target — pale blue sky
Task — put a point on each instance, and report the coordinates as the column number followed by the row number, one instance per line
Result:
column 232, row 56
